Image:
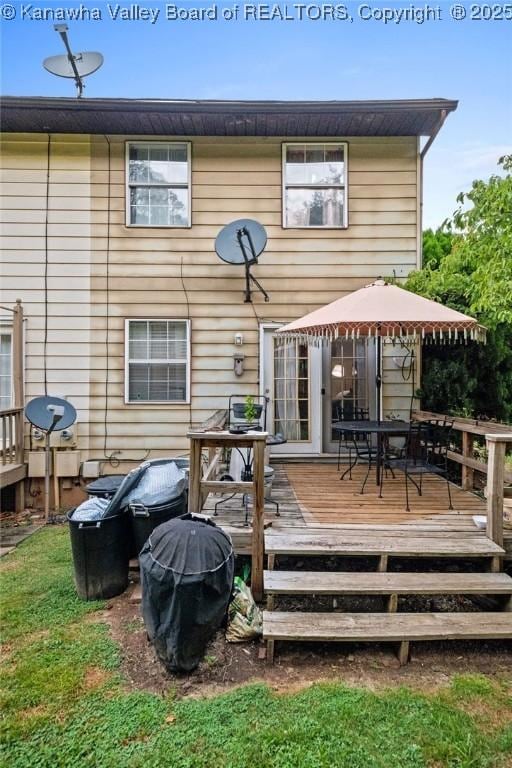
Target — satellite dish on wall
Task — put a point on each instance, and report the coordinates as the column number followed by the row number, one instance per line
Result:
column 75, row 66
column 49, row 414
column 241, row 243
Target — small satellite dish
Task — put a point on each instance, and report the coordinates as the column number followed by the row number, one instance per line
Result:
column 50, row 413
column 241, row 243
column 71, row 65
column 86, row 63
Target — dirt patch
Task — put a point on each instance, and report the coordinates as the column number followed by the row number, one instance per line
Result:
column 297, row 665
column 95, row 677
column 27, row 714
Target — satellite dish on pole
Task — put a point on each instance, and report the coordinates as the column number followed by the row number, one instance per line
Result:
column 49, row 414
column 242, row 242
column 71, row 65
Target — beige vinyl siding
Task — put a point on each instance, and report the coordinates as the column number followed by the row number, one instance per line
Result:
column 23, row 176
column 174, row 273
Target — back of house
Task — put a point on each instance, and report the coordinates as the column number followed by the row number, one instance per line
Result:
column 110, row 213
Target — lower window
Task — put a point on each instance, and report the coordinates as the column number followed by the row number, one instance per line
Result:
column 157, row 361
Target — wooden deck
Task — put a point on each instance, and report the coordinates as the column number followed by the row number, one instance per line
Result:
column 312, row 497
column 325, row 499
column 321, row 515
column 12, row 473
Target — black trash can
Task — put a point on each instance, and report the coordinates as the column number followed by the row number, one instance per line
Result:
column 146, row 519
column 105, row 487
column 100, row 555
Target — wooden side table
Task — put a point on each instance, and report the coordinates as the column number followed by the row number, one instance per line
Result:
column 200, row 486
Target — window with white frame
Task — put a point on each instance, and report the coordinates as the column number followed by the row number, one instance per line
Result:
column 158, row 184
column 157, row 361
column 5, row 368
column 314, row 185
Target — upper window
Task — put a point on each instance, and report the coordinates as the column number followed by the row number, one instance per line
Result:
column 5, row 368
column 157, row 361
column 314, row 185
column 158, row 188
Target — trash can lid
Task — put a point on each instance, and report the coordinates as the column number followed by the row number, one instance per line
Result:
column 105, row 484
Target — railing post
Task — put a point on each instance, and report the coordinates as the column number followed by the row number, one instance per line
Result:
column 467, row 452
column 18, row 376
column 496, row 446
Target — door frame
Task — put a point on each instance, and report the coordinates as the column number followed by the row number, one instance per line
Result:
column 314, row 445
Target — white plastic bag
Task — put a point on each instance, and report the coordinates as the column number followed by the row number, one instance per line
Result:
column 159, row 484
column 92, row 509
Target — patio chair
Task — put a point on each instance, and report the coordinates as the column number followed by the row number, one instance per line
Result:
column 359, row 444
column 425, row 453
column 347, row 439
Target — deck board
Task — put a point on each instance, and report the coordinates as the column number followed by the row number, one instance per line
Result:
column 352, row 543
column 360, row 583
column 12, row 473
column 385, row 626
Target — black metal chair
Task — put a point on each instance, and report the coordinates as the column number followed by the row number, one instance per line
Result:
column 425, row 453
column 346, row 438
column 359, row 444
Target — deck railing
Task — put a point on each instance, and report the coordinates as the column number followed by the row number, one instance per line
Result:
column 470, row 430
column 11, row 419
column 497, row 437
column 11, row 434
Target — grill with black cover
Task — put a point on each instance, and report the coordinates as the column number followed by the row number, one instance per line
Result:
column 186, row 569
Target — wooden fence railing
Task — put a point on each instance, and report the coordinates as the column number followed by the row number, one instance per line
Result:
column 471, row 429
column 11, row 435
column 497, row 437
column 12, row 419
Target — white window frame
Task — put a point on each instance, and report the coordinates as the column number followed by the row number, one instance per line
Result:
column 7, row 330
column 127, row 361
column 343, row 187
column 129, row 184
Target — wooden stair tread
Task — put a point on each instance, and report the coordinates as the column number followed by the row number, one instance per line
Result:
column 354, row 543
column 361, row 583
column 374, row 627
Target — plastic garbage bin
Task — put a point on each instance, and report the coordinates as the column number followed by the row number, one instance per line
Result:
column 146, row 518
column 105, row 487
column 100, row 555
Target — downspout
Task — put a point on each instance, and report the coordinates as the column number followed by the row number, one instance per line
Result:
column 437, row 128
column 421, row 155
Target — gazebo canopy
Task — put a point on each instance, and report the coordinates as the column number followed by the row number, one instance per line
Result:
column 384, row 310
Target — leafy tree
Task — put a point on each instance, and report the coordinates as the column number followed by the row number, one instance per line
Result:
column 437, row 245
column 468, row 266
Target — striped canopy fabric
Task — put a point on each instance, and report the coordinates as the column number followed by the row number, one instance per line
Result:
column 384, row 310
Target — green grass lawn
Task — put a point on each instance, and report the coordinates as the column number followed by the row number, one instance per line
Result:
column 64, row 701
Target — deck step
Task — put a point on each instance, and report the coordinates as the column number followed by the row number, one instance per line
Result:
column 373, row 627
column 358, row 583
column 384, row 627
column 350, row 543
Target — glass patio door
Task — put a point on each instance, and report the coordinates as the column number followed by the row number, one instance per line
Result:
column 291, row 379
column 348, row 366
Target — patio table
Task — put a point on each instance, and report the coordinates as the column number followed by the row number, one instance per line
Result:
column 395, row 428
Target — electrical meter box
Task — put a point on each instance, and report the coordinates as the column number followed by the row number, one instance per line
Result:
column 67, row 463
column 36, row 463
